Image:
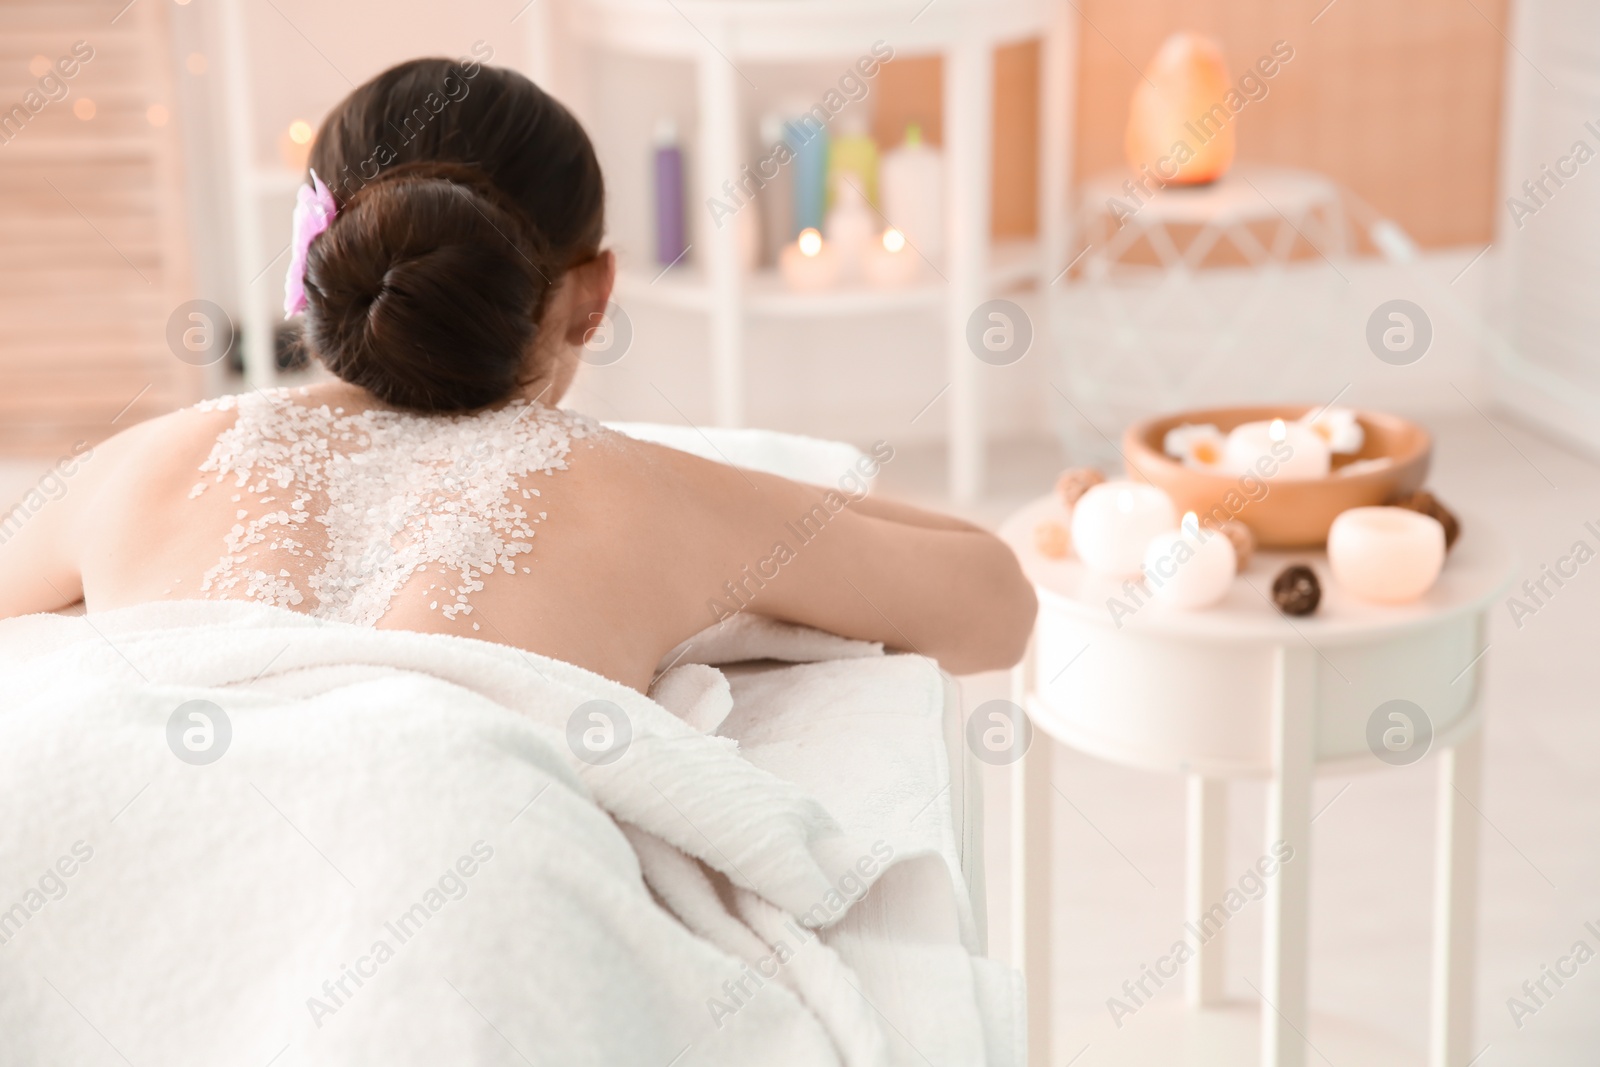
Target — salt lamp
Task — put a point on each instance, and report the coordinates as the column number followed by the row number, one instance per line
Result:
column 1178, row 123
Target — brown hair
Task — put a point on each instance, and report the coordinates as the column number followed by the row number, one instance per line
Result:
column 465, row 192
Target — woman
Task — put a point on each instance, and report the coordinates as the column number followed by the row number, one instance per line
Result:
column 435, row 487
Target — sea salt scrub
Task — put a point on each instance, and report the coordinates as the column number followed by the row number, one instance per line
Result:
column 340, row 509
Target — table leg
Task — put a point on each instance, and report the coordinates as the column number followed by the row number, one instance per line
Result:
column 1031, row 948
column 968, row 139
column 720, row 155
column 1204, row 887
column 1056, row 114
column 1284, row 1016
column 1455, row 903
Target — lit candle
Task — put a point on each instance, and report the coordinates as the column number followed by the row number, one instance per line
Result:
column 294, row 144
column 1114, row 521
column 1278, row 449
column 890, row 261
column 1190, row 568
column 810, row 263
column 1386, row 555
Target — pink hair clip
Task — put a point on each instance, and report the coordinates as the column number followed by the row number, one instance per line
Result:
column 314, row 211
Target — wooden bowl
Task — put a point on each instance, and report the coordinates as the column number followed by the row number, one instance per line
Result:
column 1291, row 513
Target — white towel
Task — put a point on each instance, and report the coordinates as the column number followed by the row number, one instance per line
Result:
column 366, row 771
column 234, row 911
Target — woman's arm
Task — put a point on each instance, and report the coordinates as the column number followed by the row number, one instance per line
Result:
column 38, row 558
column 872, row 570
column 907, row 514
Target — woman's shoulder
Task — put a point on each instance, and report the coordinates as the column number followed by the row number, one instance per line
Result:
column 625, row 455
column 175, row 432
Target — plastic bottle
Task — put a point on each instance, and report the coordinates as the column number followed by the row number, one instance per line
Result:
column 670, row 235
column 777, row 208
column 912, row 178
column 854, row 154
column 808, row 140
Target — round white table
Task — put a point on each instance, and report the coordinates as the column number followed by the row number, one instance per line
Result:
column 1240, row 690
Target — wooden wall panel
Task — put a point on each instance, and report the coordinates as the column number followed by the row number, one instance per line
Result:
column 910, row 89
column 1400, row 102
column 92, row 252
column 1016, row 140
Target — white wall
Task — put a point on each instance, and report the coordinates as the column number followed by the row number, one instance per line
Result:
column 304, row 56
column 1551, row 258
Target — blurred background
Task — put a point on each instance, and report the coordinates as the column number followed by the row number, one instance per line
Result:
column 1024, row 290
column 167, row 170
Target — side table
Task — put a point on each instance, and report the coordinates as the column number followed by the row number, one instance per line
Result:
column 1241, row 691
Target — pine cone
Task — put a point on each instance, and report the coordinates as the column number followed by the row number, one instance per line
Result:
column 1296, row 590
column 1428, row 504
column 1076, row 481
column 1244, row 541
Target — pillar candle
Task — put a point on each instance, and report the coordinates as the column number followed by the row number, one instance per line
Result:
column 1385, row 555
column 1114, row 522
column 1278, row 449
column 1190, row 568
column 809, row 264
column 889, row 262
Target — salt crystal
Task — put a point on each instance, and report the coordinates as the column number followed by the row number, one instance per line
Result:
column 350, row 470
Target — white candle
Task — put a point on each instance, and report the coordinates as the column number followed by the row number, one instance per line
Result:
column 1190, row 568
column 1278, row 450
column 1385, row 555
column 890, row 261
column 1114, row 521
column 810, row 263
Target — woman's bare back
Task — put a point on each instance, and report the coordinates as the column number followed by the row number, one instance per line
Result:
column 341, row 511
column 522, row 525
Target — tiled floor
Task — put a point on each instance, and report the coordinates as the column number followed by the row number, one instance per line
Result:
column 1372, row 859
column 1371, row 879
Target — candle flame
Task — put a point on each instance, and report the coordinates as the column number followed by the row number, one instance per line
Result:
column 300, row 131
column 1277, row 431
column 810, row 241
column 893, row 240
column 1191, row 524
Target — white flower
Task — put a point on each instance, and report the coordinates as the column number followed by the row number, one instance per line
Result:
column 1200, row 446
column 1339, row 427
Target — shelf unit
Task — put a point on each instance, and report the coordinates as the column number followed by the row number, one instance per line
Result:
column 252, row 184
column 719, row 36
column 1011, row 263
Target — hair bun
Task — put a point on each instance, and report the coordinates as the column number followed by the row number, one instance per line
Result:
column 427, row 290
